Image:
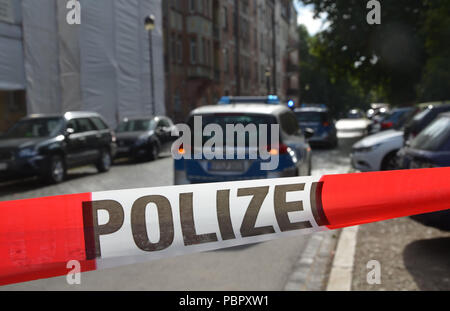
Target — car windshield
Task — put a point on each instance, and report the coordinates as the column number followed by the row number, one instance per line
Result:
column 433, row 136
column 311, row 116
column 36, row 128
column 136, row 126
column 233, row 119
column 421, row 114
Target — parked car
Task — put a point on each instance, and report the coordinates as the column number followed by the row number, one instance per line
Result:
column 393, row 119
column 48, row 145
column 144, row 138
column 294, row 151
column 423, row 119
column 429, row 149
column 354, row 124
column 377, row 110
column 318, row 119
column 378, row 152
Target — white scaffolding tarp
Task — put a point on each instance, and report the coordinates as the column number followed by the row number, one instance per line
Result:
column 12, row 76
column 101, row 65
column 12, row 72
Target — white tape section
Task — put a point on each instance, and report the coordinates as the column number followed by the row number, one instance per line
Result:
column 170, row 221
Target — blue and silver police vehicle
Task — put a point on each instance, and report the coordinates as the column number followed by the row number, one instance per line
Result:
column 292, row 150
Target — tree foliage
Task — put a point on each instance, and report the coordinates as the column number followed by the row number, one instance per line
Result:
column 405, row 58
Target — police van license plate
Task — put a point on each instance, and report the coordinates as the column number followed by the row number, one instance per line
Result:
column 226, row 166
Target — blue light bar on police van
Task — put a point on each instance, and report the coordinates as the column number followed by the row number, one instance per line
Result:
column 270, row 99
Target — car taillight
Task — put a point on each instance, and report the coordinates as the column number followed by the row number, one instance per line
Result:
column 274, row 150
column 183, row 149
column 386, row 125
column 113, row 137
column 326, row 124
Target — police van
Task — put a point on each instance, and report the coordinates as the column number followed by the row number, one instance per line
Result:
column 279, row 140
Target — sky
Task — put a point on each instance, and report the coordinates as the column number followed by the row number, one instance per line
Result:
column 305, row 17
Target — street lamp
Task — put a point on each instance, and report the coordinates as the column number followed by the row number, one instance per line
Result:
column 150, row 26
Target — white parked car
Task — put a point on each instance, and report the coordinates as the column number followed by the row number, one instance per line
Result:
column 377, row 152
column 353, row 125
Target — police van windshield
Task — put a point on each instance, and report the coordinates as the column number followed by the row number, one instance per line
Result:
column 249, row 121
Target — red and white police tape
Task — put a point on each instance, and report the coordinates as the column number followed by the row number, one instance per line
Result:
column 106, row 229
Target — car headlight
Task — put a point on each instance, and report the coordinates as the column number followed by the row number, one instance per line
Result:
column 27, row 152
column 366, row 149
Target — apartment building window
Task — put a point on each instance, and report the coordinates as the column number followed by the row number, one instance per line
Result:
column 201, row 51
column 226, row 60
column 245, row 6
column 193, row 50
column 262, row 42
column 208, row 53
column 225, row 18
column 207, row 7
column 192, row 6
column 179, row 47
column 177, row 4
column 205, row 50
column 200, row 7
column 173, row 47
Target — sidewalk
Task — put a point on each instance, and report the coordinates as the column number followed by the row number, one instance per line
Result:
column 412, row 256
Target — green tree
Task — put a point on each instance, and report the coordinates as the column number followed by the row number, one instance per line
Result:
column 388, row 57
column 436, row 31
column 320, row 84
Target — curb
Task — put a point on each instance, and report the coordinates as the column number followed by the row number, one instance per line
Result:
column 341, row 271
column 310, row 271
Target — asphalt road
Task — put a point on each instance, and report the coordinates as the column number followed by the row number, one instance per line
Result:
column 263, row 266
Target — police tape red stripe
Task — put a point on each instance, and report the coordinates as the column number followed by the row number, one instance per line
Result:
column 106, row 229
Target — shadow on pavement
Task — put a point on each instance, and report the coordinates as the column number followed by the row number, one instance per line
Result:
column 428, row 261
column 237, row 248
column 35, row 183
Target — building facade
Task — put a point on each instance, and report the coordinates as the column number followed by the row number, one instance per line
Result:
column 48, row 65
column 228, row 47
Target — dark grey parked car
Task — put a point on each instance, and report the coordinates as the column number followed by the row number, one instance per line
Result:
column 144, row 138
column 48, row 145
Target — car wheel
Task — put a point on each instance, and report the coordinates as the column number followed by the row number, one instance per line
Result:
column 154, row 152
column 56, row 170
column 105, row 161
column 390, row 162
